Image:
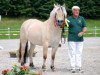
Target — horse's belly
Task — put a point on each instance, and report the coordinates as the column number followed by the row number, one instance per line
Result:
column 36, row 40
column 35, row 35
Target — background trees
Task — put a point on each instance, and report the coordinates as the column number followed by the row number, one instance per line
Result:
column 42, row 8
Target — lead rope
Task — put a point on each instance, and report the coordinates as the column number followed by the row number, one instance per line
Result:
column 64, row 31
column 63, row 42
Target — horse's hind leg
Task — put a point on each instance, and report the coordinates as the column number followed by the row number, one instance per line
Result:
column 53, row 58
column 22, row 52
column 31, row 51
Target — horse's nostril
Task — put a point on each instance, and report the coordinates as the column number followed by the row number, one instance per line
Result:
column 60, row 21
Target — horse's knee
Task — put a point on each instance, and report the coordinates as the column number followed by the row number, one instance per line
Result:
column 45, row 53
column 53, row 57
column 53, row 53
column 45, row 57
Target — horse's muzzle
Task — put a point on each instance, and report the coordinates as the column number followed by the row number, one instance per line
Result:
column 59, row 23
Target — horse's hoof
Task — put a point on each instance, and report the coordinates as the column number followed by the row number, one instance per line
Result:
column 52, row 68
column 59, row 45
column 22, row 63
column 31, row 65
column 43, row 67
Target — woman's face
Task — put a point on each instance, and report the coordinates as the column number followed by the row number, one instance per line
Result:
column 75, row 12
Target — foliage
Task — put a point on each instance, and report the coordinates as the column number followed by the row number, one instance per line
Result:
column 42, row 8
column 89, row 8
column 16, row 70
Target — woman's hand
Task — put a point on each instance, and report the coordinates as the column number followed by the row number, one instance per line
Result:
column 80, row 34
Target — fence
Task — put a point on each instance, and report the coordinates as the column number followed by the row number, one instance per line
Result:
column 14, row 33
column 94, row 31
column 9, row 33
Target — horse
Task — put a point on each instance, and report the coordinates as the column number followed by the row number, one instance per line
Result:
column 43, row 33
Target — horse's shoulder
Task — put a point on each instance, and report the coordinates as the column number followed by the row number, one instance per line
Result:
column 29, row 21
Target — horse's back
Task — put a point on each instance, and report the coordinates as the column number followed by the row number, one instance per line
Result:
column 29, row 23
column 32, row 30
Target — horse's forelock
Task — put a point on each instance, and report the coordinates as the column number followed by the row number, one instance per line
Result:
column 64, row 10
column 53, row 12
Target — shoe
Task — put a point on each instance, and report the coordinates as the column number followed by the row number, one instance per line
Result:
column 73, row 70
column 80, row 70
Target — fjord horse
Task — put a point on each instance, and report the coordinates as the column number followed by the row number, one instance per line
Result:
column 47, row 33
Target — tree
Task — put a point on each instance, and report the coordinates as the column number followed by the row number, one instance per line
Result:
column 20, row 8
column 4, row 7
column 89, row 8
column 42, row 8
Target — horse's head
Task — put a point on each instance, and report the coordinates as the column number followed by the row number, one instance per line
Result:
column 59, row 15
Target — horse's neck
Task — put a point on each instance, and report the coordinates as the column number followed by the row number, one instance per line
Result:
column 50, row 23
column 52, row 28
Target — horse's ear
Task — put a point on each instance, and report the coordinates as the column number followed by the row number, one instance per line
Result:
column 64, row 5
column 64, row 9
column 54, row 5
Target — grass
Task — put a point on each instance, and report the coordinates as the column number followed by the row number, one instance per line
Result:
column 15, row 24
column 91, row 23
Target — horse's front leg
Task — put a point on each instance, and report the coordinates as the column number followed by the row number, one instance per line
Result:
column 53, row 58
column 45, row 50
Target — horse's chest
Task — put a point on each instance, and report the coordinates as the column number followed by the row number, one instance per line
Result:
column 54, row 39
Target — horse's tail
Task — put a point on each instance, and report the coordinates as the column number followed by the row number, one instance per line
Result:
column 19, row 53
column 25, row 54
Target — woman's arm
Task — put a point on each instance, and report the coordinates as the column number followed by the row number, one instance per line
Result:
column 83, row 31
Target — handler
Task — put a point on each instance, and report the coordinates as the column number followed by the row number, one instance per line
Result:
column 77, row 28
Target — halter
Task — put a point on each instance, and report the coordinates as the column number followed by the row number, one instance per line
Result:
column 55, row 23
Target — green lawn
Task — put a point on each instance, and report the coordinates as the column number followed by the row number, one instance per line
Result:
column 91, row 23
column 15, row 24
